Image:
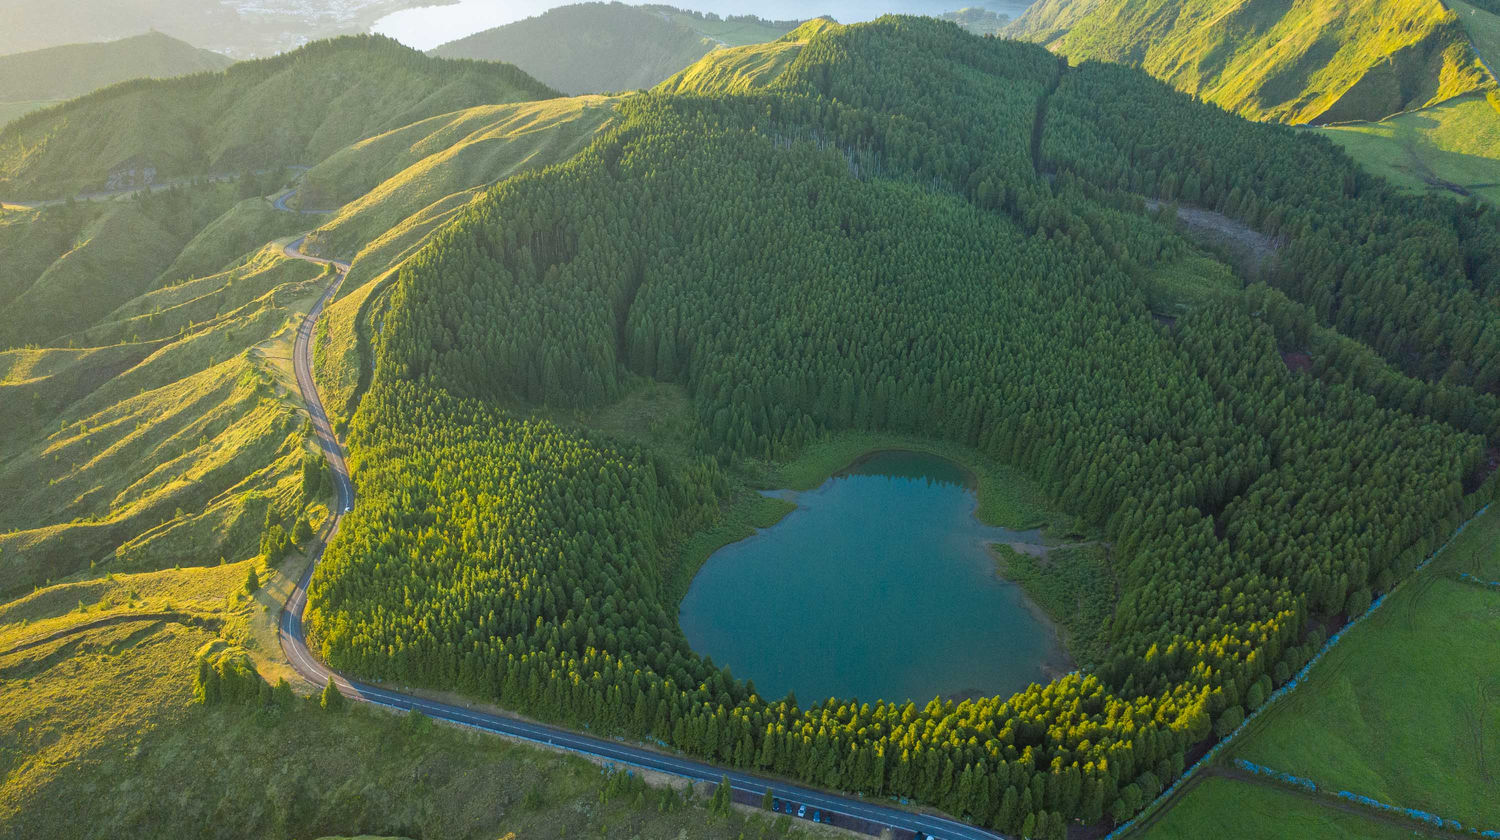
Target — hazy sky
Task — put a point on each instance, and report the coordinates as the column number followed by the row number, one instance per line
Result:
column 427, row 27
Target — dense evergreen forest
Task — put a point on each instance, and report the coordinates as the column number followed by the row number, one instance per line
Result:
column 915, row 229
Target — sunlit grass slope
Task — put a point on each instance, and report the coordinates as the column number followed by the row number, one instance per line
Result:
column 607, row 47
column 99, row 738
column 1452, row 147
column 50, row 75
column 66, row 268
column 746, row 68
column 1294, row 61
column 393, row 175
column 1483, row 26
column 165, row 443
column 295, row 108
column 413, row 181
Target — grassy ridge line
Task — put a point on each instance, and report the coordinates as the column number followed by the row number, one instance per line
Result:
column 423, row 175
column 746, row 68
column 176, row 452
column 1310, row 61
column 380, row 181
column 56, row 257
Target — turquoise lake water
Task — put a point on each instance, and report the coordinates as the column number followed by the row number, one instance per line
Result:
column 879, row 585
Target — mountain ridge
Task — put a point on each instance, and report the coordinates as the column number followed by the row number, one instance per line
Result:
column 32, row 80
column 295, row 108
column 609, row 47
column 1295, row 61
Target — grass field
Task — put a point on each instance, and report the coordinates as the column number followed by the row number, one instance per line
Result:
column 1226, row 809
column 323, row 96
column 1407, row 708
column 1457, row 143
column 388, row 178
column 98, row 739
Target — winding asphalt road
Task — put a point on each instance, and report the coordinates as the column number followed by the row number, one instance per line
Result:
column 294, row 645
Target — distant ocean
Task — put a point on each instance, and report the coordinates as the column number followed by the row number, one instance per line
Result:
column 426, row 27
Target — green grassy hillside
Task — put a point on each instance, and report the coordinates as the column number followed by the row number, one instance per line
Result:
column 409, row 168
column 164, row 444
column 74, row 264
column 100, row 738
column 1453, row 147
column 1249, row 497
column 1228, row 809
column 1294, row 61
column 1482, row 21
column 49, row 76
column 605, row 47
column 296, row 108
column 415, row 180
column 856, row 236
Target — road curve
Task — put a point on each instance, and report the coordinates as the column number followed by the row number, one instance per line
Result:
column 294, row 645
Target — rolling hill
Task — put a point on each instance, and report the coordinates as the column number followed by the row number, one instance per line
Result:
column 242, row 30
column 606, row 47
column 296, row 108
column 29, row 81
column 1303, row 61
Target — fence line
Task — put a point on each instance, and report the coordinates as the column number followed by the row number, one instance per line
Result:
column 1368, row 802
column 1492, row 584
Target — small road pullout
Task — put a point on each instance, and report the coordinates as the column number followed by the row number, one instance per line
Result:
column 854, row 811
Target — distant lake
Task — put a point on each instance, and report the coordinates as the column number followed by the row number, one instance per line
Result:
column 426, row 27
column 879, row 586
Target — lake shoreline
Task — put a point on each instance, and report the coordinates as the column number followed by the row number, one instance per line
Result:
column 1068, row 664
column 886, row 564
